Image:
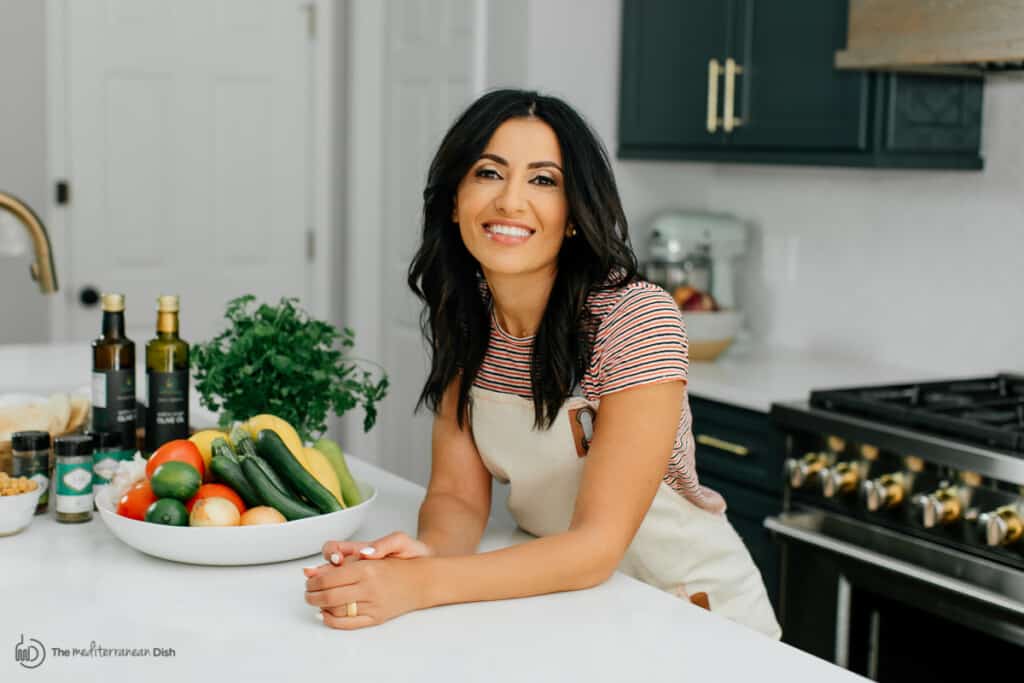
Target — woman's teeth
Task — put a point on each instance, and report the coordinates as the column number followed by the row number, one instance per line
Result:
column 509, row 230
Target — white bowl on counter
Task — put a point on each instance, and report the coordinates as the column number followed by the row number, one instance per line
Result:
column 237, row 545
column 16, row 512
column 711, row 332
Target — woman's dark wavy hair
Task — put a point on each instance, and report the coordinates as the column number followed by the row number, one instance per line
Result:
column 456, row 319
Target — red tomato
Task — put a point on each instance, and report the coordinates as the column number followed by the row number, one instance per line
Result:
column 136, row 500
column 216, row 491
column 179, row 449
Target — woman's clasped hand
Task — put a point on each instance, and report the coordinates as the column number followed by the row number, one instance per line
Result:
column 383, row 579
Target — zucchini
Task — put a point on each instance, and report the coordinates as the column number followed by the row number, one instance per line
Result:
column 270, row 495
column 230, row 472
column 220, row 447
column 242, row 440
column 270, row 474
column 273, row 450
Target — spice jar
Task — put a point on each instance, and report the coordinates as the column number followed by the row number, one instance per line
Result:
column 32, row 459
column 73, row 478
column 107, row 455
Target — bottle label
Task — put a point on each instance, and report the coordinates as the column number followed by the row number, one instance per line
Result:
column 167, row 415
column 113, row 401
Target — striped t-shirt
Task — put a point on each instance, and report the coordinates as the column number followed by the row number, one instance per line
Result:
column 641, row 339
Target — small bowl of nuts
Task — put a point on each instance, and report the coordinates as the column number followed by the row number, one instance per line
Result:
column 18, row 498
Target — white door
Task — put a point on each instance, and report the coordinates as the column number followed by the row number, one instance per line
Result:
column 187, row 132
column 427, row 78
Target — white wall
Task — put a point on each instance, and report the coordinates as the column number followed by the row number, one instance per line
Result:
column 24, row 312
column 922, row 269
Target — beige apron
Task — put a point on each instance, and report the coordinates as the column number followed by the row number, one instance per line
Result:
column 678, row 548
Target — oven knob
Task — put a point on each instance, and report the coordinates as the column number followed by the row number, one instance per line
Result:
column 803, row 470
column 941, row 507
column 1002, row 527
column 840, row 479
column 883, row 493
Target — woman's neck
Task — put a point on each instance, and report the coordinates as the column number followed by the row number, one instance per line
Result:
column 520, row 299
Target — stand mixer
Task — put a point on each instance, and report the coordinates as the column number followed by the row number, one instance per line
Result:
column 696, row 249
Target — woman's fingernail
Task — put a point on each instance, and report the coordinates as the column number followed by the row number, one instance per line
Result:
column 367, row 551
column 309, row 569
column 320, row 615
column 335, row 558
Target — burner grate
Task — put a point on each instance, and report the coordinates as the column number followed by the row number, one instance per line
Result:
column 987, row 411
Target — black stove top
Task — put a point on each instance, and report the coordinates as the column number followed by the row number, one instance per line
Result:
column 988, row 411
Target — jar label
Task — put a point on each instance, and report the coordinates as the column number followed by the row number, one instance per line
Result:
column 74, row 479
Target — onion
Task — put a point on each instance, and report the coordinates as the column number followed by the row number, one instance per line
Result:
column 262, row 514
column 213, row 512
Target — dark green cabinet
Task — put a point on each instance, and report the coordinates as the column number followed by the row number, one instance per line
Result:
column 788, row 103
column 739, row 453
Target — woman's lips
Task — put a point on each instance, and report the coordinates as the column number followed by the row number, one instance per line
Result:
column 506, row 233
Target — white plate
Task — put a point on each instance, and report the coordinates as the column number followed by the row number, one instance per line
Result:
column 238, row 545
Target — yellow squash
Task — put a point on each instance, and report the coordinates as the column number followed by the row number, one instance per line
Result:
column 324, row 473
column 284, row 430
column 204, row 441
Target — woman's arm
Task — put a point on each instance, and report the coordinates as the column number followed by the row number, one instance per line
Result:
column 628, row 457
column 454, row 512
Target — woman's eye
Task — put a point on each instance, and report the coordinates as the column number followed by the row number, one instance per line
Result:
column 545, row 180
column 487, row 173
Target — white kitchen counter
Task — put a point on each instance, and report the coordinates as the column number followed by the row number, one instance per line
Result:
column 70, row 585
column 755, row 378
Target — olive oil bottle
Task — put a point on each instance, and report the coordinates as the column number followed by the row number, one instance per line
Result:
column 113, row 374
column 167, row 377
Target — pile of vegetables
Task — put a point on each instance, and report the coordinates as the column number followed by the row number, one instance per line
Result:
column 259, row 473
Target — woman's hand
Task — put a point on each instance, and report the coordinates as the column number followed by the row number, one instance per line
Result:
column 398, row 545
column 381, row 591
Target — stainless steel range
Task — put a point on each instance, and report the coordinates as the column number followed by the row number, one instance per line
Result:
column 903, row 530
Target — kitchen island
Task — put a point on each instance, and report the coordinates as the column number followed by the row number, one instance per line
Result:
column 68, row 586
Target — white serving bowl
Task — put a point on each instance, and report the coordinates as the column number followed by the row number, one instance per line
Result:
column 16, row 512
column 711, row 332
column 237, row 545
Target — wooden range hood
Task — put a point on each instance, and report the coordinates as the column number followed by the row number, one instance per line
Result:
column 938, row 36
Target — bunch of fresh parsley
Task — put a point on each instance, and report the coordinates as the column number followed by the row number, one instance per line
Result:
column 277, row 360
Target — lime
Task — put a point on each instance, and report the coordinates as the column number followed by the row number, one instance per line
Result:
column 167, row 511
column 175, row 479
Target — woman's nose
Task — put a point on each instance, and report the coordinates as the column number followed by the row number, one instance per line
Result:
column 510, row 200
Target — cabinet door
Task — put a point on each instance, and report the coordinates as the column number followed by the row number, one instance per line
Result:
column 789, row 94
column 666, row 45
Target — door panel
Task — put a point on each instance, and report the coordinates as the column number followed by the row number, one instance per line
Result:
column 665, row 53
column 790, row 95
column 187, row 144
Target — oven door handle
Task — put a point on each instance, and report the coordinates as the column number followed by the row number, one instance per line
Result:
column 907, row 569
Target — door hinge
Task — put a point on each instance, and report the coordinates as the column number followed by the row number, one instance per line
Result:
column 310, row 20
column 63, row 193
column 310, row 246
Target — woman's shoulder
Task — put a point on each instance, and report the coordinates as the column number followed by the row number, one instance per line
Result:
column 636, row 299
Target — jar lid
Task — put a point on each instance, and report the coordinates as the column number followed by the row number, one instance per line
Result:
column 105, row 441
column 30, row 441
column 73, row 444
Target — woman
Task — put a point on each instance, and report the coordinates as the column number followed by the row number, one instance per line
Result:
column 556, row 370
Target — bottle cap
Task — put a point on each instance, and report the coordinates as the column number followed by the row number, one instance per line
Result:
column 30, row 441
column 73, row 444
column 105, row 441
column 113, row 303
column 168, row 303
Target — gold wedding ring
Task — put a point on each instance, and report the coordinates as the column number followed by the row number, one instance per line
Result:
column 353, row 609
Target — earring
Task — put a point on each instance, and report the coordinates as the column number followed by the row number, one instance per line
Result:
column 571, row 232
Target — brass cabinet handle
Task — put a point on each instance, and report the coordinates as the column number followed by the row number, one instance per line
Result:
column 722, row 445
column 729, row 107
column 714, row 71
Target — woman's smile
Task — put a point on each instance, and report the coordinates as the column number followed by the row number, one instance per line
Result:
column 508, row 232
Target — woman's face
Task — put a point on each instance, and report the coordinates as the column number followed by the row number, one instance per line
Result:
column 511, row 206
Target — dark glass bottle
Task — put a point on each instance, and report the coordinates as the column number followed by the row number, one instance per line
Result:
column 113, row 374
column 167, row 376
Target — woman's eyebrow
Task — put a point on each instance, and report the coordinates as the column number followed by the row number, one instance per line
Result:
column 533, row 164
